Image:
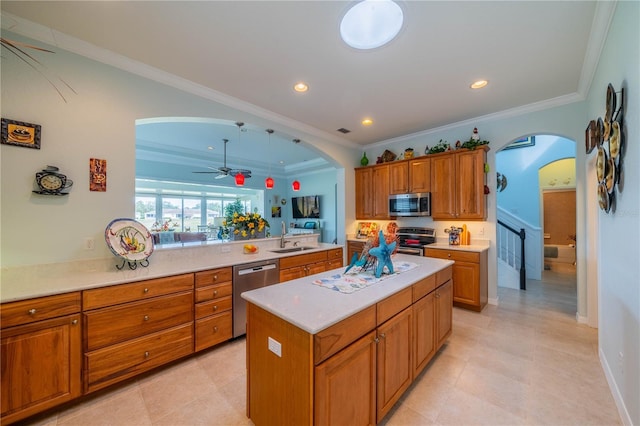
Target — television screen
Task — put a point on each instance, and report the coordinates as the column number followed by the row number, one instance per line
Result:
column 306, row 207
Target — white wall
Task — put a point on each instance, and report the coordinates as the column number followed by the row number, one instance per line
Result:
column 619, row 232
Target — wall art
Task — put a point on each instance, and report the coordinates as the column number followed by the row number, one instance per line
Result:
column 97, row 175
column 20, row 133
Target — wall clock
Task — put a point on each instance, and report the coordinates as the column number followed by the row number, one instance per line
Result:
column 50, row 182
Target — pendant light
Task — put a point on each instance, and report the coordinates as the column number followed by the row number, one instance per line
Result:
column 239, row 176
column 268, row 182
column 295, row 185
column 239, row 179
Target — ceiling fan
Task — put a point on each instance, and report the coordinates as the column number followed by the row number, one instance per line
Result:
column 225, row 171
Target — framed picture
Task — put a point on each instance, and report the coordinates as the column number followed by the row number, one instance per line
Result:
column 20, row 133
column 97, row 175
column 276, row 211
column 522, row 143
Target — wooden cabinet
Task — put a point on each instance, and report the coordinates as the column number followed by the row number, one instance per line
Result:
column 457, row 185
column 443, row 312
column 131, row 328
column 303, row 265
column 348, row 376
column 213, row 307
column 394, row 368
column 372, row 192
column 410, row 176
column 41, row 353
column 470, row 276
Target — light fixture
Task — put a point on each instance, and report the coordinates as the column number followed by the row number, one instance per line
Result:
column 371, row 23
column 367, row 122
column 295, row 185
column 300, row 87
column 239, row 179
column 239, row 174
column 479, row 84
column 268, row 182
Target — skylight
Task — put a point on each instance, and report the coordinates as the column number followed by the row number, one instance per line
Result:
column 371, row 23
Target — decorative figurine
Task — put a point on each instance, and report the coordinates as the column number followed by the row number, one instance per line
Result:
column 383, row 254
column 475, row 136
column 364, row 160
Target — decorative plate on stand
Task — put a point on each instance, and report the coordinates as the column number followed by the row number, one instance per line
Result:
column 129, row 240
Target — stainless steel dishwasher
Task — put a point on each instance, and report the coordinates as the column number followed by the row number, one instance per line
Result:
column 250, row 276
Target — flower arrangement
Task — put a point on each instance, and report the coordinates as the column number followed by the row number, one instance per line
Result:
column 245, row 225
column 167, row 225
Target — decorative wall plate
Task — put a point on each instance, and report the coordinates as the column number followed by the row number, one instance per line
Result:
column 601, row 165
column 614, row 140
column 129, row 239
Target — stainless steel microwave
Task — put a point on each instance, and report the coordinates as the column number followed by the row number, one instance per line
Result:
column 417, row 204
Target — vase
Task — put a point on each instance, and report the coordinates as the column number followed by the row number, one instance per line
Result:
column 364, row 160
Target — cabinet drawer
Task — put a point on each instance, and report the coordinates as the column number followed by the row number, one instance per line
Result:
column 459, row 255
column 214, row 276
column 109, row 365
column 31, row 310
column 113, row 295
column 393, row 304
column 211, row 307
column 119, row 323
column 213, row 330
column 212, row 292
column 424, row 287
column 334, row 254
column 338, row 336
column 302, row 259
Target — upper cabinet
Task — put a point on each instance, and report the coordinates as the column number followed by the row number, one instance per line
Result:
column 457, row 185
column 455, row 179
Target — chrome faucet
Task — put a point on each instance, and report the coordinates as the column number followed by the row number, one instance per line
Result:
column 283, row 242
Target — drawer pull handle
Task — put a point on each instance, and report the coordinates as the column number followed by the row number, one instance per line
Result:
column 215, row 278
column 146, row 317
column 146, row 290
column 382, row 335
column 146, row 354
column 32, row 311
column 376, row 340
column 74, row 322
column 215, row 307
column 215, row 329
column 215, row 293
column 449, row 255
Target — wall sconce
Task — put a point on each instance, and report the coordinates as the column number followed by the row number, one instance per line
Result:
column 295, row 185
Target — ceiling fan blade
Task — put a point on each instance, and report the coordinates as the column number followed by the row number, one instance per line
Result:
column 220, row 176
column 206, row 172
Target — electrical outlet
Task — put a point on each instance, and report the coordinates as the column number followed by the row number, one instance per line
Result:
column 275, row 347
column 481, row 231
column 89, row 244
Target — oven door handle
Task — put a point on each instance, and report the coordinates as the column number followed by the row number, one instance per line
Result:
column 411, row 250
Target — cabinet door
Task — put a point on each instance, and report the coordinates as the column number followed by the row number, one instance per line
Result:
column 420, row 175
column 394, row 369
column 354, row 247
column 470, row 198
column 364, row 185
column 292, row 273
column 315, row 268
column 345, row 386
column 444, row 312
column 466, row 283
column 443, row 187
column 399, row 178
column 424, row 340
column 380, row 192
column 41, row 366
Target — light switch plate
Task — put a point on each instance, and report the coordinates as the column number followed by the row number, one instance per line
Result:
column 275, row 347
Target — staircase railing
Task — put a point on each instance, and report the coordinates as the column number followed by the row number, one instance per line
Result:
column 522, row 235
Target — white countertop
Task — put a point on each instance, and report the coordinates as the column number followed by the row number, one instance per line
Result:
column 25, row 282
column 477, row 247
column 314, row 308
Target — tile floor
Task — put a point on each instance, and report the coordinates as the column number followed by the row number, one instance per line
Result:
column 525, row 361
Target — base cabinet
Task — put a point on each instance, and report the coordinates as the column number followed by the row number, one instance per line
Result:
column 470, row 277
column 213, row 307
column 41, row 355
column 348, row 376
column 303, row 265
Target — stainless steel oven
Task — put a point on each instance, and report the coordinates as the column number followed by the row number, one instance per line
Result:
column 413, row 240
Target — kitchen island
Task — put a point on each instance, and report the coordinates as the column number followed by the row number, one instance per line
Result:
column 320, row 356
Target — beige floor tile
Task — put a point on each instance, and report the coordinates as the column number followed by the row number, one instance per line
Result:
column 465, row 409
column 444, row 367
column 427, row 396
column 403, row 415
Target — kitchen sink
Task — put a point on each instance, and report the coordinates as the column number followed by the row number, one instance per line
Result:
column 291, row 249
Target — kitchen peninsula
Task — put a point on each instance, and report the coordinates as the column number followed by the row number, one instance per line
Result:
column 320, row 356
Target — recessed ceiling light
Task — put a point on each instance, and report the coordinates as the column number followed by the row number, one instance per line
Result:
column 209, row 147
column 479, row 84
column 300, row 87
column 371, row 23
column 367, row 122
